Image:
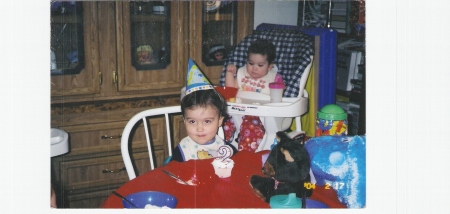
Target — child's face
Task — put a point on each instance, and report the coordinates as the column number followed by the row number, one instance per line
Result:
column 202, row 123
column 218, row 55
column 257, row 65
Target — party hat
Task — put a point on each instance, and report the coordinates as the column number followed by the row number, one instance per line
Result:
column 195, row 79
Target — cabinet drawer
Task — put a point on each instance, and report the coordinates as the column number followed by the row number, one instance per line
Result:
column 95, row 173
column 104, row 139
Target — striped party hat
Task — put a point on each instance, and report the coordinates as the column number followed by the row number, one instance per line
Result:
column 195, row 79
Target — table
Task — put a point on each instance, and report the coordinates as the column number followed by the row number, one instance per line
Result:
column 212, row 192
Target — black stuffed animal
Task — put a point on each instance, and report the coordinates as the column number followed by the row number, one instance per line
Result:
column 286, row 170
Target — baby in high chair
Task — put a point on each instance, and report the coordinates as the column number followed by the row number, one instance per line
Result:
column 255, row 76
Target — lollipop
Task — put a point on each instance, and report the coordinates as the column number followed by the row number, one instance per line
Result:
column 225, row 152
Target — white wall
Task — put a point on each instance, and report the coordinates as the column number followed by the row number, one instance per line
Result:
column 275, row 12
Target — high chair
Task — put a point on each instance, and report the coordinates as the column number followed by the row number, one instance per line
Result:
column 274, row 116
column 294, row 58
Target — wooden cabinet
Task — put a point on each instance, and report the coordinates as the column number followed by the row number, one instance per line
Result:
column 109, row 72
column 86, row 81
column 217, row 27
column 94, row 104
column 94, row 166
column 167, row 80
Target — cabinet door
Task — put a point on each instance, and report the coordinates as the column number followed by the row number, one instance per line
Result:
column 142, row 36
column 216, row 27
column 74, row 46
column 85, row 181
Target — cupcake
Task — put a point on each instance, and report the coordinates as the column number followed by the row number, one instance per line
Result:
column 223, row 164
column 223, row 168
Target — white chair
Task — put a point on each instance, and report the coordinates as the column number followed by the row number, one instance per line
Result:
column 132, row 125
column 142, row 116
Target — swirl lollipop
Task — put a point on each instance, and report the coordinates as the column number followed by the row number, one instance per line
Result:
column 225, row 152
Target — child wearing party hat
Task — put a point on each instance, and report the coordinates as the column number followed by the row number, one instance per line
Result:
column 203, row 112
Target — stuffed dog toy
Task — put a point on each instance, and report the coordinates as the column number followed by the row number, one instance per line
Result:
column 285, row 170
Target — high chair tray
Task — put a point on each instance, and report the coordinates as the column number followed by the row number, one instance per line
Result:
column 257, row 104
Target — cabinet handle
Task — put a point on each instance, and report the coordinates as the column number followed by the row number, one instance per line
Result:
column 113, row 171
column 111, row 137
column 100, row 76
column 115, row 77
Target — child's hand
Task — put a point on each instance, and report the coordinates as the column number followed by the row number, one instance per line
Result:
column 231, row 68
column 230, row 80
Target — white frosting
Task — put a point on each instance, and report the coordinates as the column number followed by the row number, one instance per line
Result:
column 218, row 163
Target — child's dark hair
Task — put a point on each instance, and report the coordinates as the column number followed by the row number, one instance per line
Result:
column 204, row 98
column 263, row 47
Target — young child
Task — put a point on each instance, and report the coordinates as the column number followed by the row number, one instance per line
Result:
column 259, row 70
column 217, row 52
column 203, row 112
column 255, row 76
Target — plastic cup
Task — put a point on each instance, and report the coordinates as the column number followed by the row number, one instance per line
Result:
column 276, row 92
column 289, row 201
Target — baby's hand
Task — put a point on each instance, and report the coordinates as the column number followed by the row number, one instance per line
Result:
column 231, row 68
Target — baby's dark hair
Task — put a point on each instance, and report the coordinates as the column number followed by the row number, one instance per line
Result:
column 204, row 98
column 263, row 47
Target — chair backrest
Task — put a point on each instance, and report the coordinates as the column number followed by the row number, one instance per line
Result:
column 131, row 125
column 145, row 116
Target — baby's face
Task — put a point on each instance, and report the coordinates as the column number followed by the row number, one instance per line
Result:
column 218, row 55
column 257, row 65
column 202, row 123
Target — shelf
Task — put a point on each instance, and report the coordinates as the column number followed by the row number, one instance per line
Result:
column 148, row 18
column 65, row 19
column 218, row 17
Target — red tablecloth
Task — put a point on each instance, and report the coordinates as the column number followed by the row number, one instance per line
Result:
column 212, row 192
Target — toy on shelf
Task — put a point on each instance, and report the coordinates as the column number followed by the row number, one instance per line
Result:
column 331, row 121
column 144, row 54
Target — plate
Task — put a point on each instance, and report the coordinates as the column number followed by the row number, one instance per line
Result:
column 212, row 5
column 158, row 10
